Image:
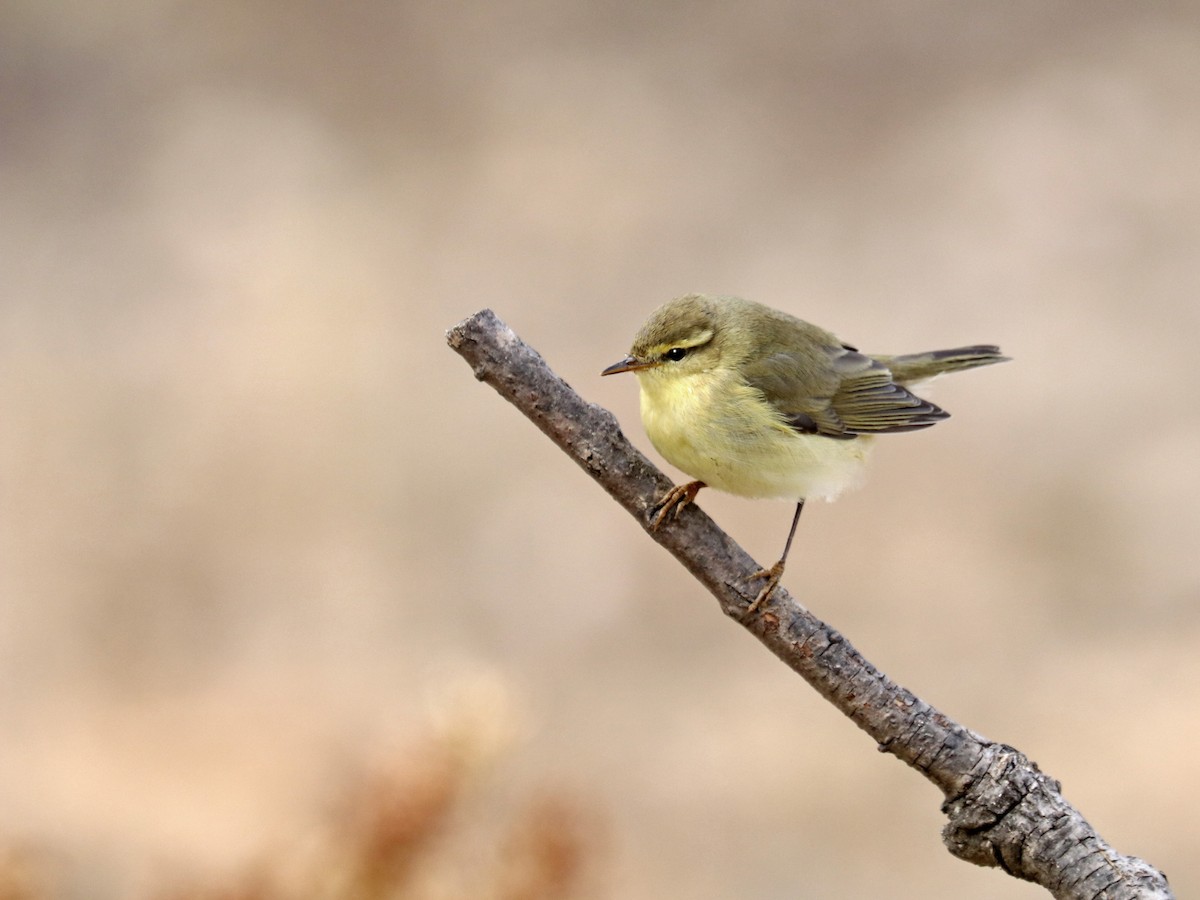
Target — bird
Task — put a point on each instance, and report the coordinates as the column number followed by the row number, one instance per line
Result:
column 755, row 402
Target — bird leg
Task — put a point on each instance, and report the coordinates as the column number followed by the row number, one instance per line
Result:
column 774, row 573
column 676, row 499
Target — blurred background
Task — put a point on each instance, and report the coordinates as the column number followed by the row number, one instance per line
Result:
column 260, row 530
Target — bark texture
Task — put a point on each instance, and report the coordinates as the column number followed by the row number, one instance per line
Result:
column 1002, row 810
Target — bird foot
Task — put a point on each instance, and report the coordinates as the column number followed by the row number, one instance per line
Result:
column 676, row 499
column 772, row 575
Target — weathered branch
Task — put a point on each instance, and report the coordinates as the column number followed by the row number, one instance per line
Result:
column 1003, row 810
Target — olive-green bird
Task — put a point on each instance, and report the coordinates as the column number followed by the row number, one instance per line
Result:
column 753, row 401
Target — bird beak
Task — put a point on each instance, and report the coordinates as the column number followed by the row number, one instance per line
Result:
column 628, row 364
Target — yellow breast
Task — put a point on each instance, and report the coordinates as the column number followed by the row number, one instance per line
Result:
column 721, row 431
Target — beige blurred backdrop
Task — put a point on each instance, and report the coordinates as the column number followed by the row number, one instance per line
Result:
column 256, row 518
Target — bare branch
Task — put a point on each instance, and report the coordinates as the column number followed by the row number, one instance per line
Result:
column 1003, row 811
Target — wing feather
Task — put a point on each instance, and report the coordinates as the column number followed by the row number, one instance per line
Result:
column 839, row 393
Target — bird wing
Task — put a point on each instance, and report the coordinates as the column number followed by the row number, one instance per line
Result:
column 838, row 392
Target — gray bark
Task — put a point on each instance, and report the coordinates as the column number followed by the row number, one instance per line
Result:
column 1003, row 811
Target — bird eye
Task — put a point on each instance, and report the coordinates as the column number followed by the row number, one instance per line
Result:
column 675, row 354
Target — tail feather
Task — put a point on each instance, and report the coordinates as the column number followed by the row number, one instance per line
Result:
column 911, row 367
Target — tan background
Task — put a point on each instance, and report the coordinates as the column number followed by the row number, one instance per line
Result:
column 255, row 513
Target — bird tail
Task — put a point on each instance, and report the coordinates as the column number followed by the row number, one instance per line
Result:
column 913, row 367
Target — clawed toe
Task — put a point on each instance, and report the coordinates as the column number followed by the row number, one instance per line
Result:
column 675, row 500
column 772, row 575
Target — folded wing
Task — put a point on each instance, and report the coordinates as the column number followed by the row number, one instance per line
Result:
column 839, row 393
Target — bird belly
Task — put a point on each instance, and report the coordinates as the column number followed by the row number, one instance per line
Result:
column 729, row 438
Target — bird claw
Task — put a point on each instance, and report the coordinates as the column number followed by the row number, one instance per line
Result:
column 675, row 500
column 772, row 575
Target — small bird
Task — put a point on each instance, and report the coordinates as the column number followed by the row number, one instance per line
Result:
column 752, row 401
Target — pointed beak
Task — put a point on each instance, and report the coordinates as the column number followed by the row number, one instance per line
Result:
column 628, row 364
